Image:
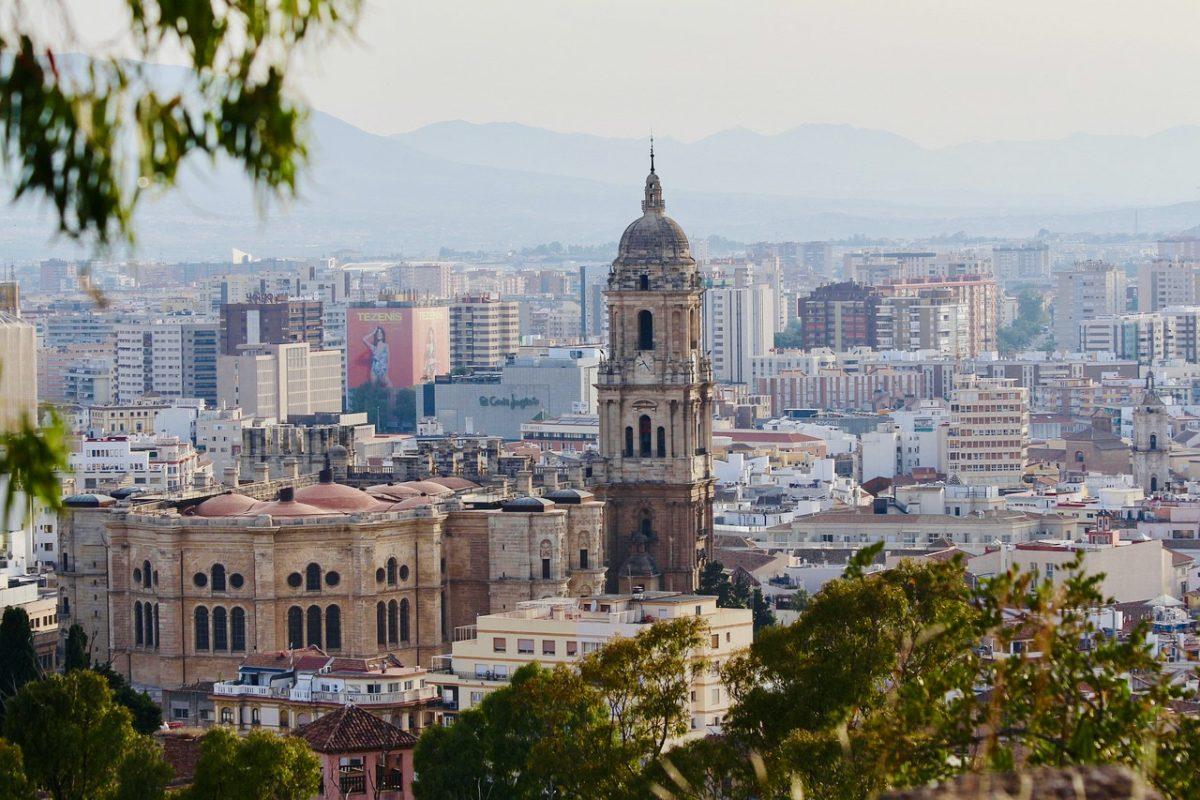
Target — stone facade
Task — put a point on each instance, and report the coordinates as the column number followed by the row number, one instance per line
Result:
column 655, row 405
column 1151, row 445
column 187, row 590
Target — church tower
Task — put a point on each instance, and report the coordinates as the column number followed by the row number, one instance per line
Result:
column 655, row 400
column 1151, row 443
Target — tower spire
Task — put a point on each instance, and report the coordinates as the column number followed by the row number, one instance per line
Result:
column 652, row 153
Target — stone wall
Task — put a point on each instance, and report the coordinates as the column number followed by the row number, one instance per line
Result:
column 1079, row 783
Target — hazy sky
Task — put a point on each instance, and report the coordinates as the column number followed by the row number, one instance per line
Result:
column 938, row 72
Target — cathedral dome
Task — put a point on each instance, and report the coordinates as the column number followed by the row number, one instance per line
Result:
column 654, row 238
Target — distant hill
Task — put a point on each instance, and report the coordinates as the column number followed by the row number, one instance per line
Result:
column 469, row 187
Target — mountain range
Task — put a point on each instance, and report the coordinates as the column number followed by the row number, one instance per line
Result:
column 488, row 186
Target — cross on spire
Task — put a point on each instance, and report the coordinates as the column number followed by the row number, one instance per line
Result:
column 652, row 152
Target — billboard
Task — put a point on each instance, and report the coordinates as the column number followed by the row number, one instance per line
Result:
column 396, row 346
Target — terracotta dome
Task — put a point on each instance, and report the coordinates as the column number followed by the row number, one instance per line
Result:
column 338, row 497
column 229, row 504
column 454, row 482
column 392, row 491
column 289, row 508
column 428, row 487
column 412, row 502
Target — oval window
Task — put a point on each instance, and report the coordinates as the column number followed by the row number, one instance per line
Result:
column 332, row 578
column 236, row 580
column 404, row 572
column 200, row 579
column 294, row 580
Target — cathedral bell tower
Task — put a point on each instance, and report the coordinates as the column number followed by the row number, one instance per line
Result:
column 655, row 398
column 1151, row 452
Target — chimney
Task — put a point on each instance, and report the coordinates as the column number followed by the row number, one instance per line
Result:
column 524, row 483
column 291, row 467
column 575, row 476
column 262, row 472
column 550, row 480
column 231, row 476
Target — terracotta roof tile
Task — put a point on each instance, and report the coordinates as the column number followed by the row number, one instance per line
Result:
column 352, row 730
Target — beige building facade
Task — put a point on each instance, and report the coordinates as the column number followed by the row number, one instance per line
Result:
column 989, row 431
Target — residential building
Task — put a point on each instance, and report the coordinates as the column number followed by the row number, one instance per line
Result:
column 561, row 630
column 1167, row 282
column 861, row 527
column 840, row 316
column 739, row 323
column 1088, row 290
column 41, row 604
column 1184, row 248
column 484, row 330
column 1145, row 337
column 287, row 689
column 978, row 293
column 157, row 464
column 989, row 431
column 270, row 319
column 170, row 358
column 281, row 381
column 1014, row 263
column 569, row 432
column 932, row 320
column 18, row 372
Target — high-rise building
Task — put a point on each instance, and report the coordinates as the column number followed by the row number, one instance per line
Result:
column 167, row 358
column 57, row 275
column 932, row 320
column 840, row 316
column 1145, row 338
column 1088, row 290
column 979, row 294
column 281, row 381
column 483, row 330
column 655, row 401
column 1164, row 282
column 18, row 372
column 989, row 431
column 739, row 323
column 269, row 321
column 1185, row 248
column 1021, row 262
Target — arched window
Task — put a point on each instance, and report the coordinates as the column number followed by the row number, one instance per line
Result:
column 218, row 577
column 255, row 719
column 312, row 578
column 381, row 623
column 156, row 639
column 644, row 283
column 220, row 619
column 628, row 441
column 333, row 628
column 1153, row 483
column 662, row 442
column 646, row 527
column 295, row 627
column 314, row 625
column 645, row 330
column 146, row 574
column 544, row 554
column 393, row 619
column 226, row 716
column 237, row 625
column 404, row 620
column 137, row 623
column 644, row 436
column 1154, row 441
column 391, row 571
column 201, row 628
column 583, row 558
column 150, row 638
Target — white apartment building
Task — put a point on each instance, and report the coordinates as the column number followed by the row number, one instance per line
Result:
column 911, row 439
column 561, row 630
column 989, row 431
column 219, row 436
column 738, row 324
column 1021, row 262
column 157, row 463
column 1145, row 337
column 1168, row 282
column 483, row 330
column 281, row 381
column 172, row 358
column 932, row 320
column 1088, row 290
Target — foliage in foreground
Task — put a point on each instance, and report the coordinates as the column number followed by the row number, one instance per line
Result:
column 878, row 685
column 68, row 738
